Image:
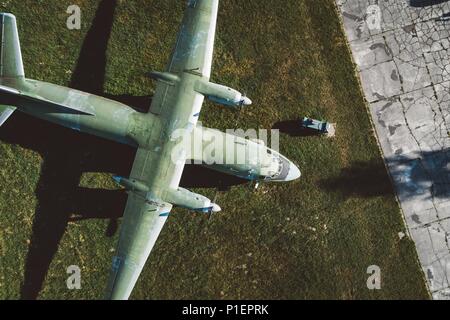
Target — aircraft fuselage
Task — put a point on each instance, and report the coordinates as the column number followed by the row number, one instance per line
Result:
column 118, row 122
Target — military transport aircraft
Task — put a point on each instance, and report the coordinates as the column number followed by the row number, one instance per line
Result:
column 153, row 185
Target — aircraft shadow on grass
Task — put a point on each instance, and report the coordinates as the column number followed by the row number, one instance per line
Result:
column 68, row 154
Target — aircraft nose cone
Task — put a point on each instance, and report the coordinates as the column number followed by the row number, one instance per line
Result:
column 246, row 101
column 294, row 173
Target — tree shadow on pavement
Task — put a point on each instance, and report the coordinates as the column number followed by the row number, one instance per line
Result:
column 415, row 175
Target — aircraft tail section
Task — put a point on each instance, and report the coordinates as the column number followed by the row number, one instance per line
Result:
column 5, row 113
column 11, row 65
column 15, row 97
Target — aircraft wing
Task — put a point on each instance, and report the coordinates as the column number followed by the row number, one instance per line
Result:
column 145, row 214
column 142, row 223
column 195, row 44
column 193, row 51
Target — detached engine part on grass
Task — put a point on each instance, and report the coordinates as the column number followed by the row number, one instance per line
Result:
column 321, row 127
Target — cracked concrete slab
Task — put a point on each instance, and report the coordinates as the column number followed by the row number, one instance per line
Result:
column 424, row 217
column 438, row 65
column 402, row 51
column 370, row 51
column 381, row 81
column 432, row 240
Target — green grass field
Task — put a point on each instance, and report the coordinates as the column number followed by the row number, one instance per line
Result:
column 311, row 239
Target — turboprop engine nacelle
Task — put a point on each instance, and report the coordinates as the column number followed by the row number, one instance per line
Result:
column 131, row 184
column 189, row 200
column 222, row 94
column 180, row 197
column 166, row 77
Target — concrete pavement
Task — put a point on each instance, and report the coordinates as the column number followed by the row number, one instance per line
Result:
column 402, row 52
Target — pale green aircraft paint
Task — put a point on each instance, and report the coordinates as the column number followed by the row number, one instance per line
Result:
column 153, row 185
